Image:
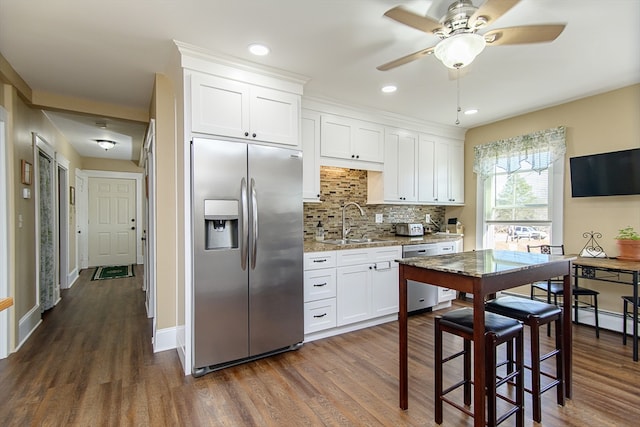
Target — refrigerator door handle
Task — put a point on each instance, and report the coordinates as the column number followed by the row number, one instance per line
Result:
column 245, row 224
column 254, row 224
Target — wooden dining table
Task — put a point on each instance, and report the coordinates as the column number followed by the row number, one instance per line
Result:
column 481, row 273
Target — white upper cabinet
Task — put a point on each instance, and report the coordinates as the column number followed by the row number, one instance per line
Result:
column 227, row 107
column 310, row 126
column 440, row 171
column 350, row 139
column 400, row 166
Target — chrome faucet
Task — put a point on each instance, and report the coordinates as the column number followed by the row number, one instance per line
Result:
column 346, row 230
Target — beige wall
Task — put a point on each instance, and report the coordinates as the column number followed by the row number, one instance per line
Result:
column 113, row 165
column 167, row 228
column 597, row 124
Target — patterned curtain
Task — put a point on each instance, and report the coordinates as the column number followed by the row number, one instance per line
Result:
column 540, row 149
column 47, row 255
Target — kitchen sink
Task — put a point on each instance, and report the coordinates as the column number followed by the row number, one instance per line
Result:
column 353, row 241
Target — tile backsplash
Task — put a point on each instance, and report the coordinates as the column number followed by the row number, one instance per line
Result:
column 339, row 186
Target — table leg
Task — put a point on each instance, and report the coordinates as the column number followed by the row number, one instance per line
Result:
column 566, row 334
column 403, row 338
column 479, row 379
column 635, row 316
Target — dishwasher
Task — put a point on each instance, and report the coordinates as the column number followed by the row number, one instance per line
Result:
column 420, row 296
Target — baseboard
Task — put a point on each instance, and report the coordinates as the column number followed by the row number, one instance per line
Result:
column 349, row 328
column 28, row 324
column 72, row 277
column 165, row 339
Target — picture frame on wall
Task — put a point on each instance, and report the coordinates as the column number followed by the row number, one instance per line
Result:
column 72, row 196
column 27, row 172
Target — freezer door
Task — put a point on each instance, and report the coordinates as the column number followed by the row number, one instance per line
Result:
column 220, row 285
column 276, row 317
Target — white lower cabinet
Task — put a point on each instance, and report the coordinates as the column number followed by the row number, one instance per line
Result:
column 364, row 291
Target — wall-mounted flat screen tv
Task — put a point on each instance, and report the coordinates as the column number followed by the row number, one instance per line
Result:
column 607, row 174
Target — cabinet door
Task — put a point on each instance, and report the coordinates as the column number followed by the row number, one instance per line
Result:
column 368, row 141
column 219, row 106
column 456, row 172
column 384, row 289
column 335, row 136
column 442, row 172
column 353, row 298
column 427, row 170
column 400, row 158
column 274, row 116
column 310, row 156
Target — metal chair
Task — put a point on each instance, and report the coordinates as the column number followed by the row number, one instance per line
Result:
column 555, row 287
column 626, row 313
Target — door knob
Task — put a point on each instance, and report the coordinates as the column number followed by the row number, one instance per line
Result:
column 133, row 228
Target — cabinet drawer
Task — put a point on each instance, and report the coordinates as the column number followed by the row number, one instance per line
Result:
column 387, row 253
column 319, row 284
column 316, row 260
column 446, row 294
column 353, row 257
column 319, row 315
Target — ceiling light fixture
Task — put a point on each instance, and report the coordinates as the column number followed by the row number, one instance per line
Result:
column 107, row 144
column 471, row 111
column 259, row 49
column 459, row 50
column 389, row 89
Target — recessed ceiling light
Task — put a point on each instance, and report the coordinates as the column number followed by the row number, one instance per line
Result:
column 471, row 111
column 389, row 89
column 259, row 49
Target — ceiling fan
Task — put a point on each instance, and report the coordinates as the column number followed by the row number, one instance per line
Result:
column 460, row 43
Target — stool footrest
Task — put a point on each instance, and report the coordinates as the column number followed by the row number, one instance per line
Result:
column 453, row 387
column 457, row 406
column 453, row 356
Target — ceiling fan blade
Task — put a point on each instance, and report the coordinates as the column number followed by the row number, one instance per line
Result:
column 491, row 10
column 524, row 34
column 405, row 59
column 419, row 22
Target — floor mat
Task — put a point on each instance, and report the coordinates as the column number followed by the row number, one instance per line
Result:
column 113, row 272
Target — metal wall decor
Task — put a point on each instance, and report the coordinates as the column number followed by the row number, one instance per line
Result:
column 592, row 248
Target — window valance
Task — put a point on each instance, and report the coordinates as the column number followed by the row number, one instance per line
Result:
column 540, row 149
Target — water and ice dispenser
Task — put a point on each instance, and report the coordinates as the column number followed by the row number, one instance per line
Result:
column 221, row 224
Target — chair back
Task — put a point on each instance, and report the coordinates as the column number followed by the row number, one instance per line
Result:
column 546, row 249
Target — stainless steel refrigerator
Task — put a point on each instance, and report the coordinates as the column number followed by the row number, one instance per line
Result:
column 247, row 237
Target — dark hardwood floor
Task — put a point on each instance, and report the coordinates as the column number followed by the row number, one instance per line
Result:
column 90, row 363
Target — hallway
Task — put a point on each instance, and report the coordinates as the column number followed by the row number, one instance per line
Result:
column 89, row 361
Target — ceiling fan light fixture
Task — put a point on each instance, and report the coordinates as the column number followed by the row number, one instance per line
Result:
column 106, row 144
column 459, row 50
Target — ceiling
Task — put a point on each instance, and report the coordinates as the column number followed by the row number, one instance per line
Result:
column 109, row 52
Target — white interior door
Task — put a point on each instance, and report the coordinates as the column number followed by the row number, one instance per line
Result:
column 112, row 221
column 5, row 331
column 150, row 223
column 82, row 222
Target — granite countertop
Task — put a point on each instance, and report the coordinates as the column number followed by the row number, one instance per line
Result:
column 484, row 263
column 389, row 240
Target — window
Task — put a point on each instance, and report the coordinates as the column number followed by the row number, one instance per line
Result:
column 520, row 191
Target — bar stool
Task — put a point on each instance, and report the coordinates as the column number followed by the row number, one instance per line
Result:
column 498, row 330
column 536, row 314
